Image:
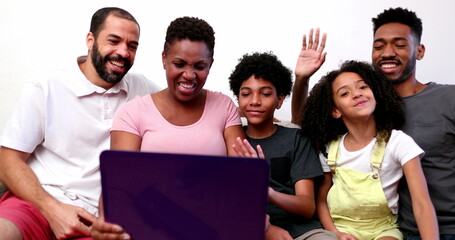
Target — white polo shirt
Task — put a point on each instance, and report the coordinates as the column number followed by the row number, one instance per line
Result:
column 64, row 121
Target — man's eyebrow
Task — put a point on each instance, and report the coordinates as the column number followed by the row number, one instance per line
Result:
column 118, row 37
column 393, row 39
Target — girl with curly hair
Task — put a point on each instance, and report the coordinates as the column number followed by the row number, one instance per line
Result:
column 351, row 116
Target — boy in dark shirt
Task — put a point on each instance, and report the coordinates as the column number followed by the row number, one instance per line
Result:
column 261, row 83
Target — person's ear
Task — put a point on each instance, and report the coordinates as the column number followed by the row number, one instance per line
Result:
column 163, row 59
column 281, row 98
column 336, row 113
column 90, row 40
column 420, row 51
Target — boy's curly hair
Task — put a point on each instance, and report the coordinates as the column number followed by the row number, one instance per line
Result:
column 192, row 28
column 262, row 65
column 318, row 123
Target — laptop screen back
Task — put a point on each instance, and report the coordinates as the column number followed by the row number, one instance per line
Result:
column 177, row 196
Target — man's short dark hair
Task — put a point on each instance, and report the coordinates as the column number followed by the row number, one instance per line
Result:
column 399, row 15
column 99, row 18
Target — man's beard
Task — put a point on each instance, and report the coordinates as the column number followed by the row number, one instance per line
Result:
column 410, row 68
column 99, row 64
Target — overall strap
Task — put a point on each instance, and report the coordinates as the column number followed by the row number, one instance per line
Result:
column 378, row 152
column 333, row 153
column 376, row 157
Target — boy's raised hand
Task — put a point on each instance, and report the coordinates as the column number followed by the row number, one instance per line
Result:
column 244, row 149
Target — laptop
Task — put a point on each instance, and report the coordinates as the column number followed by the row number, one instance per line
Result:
column 178, row 196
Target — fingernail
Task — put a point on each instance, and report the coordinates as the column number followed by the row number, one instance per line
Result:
column 118, row 229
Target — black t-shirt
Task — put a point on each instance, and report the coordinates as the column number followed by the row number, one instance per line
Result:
column 291, row 158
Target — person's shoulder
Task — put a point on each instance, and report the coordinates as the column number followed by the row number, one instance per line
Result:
column 137, row 103
column 440, row 87
column 443, row 85
column 139, row 82
column 218, row 96
column 138, row 99
column 396, row 132
column 290, row 132
column 286, row 128
column 399, row 135
column 54, row 78
column 50, row 75
column 285, row 123
column 438, row 92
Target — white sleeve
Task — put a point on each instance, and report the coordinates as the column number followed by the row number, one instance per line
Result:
column 405, row 148
column 25, row 128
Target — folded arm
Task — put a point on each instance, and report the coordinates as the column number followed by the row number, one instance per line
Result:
column 65, row 220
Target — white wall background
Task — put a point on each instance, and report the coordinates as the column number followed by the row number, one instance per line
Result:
column 38, row 35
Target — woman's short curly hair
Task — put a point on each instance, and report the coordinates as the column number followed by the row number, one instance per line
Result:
column 318, row 123
column 262, row 65
column 192, row 28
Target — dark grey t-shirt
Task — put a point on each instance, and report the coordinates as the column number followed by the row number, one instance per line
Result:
column 430, row 121
column 291, row 158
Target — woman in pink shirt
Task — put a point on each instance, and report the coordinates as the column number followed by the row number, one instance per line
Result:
column 182, row 118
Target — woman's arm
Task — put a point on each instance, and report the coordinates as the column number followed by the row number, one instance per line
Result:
column 230, row 138
column 421, row 203
column 121, row 140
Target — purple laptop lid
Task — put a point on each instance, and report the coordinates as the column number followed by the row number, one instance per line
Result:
column 177, row 196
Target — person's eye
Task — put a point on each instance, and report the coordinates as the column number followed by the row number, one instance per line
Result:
column 201, row 66
column 344, row 94
column 179, row 65
column 378, row 46
column 113, row 41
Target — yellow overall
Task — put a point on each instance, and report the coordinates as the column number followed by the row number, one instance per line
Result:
column 357, row 202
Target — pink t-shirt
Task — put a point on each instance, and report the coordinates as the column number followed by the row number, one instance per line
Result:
column 141, row 117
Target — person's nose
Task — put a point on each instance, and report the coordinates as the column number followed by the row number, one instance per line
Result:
column 358, row 93
column 189, row 73
column 388, row 52
column 124, row 51
column 255, row 100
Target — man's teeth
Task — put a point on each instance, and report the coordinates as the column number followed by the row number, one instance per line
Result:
column 117, row 64
column 388, row 65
